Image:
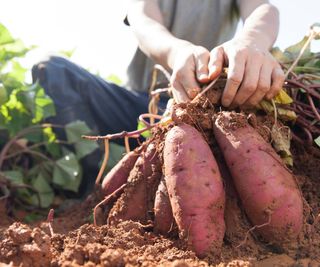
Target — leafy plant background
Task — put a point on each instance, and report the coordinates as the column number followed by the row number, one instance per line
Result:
column 36, row 169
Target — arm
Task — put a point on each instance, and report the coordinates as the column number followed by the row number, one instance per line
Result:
column 188, row 62
column 253, row 73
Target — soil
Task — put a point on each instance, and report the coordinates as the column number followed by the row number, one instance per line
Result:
column 72, row 240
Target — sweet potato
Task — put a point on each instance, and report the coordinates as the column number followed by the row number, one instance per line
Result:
column 163, row 218
column 134, row 204
column 267, row 189
column 119, row 174
column 195, row 189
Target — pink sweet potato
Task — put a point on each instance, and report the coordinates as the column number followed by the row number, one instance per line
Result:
column 195, row 189
column 267, row 189
column 163, row 218
column 119, row 174
column 134, row 204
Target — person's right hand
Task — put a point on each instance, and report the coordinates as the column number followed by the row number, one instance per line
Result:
column 189, row 68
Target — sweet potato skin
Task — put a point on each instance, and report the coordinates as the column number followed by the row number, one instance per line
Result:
column 195, row 189
column 163, row 218
column 119, row 174
column 267, row 189
column 134, row 204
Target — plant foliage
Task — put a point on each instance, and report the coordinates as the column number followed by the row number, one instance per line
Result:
column 35, row 167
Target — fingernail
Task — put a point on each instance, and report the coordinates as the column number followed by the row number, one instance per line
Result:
column 203, row 76
column 213, row 71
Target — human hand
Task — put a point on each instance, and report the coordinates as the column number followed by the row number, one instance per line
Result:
column 253, row 73
column 189, row 68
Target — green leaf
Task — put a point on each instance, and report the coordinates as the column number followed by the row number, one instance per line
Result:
column 279, row 55
column 5, row 36
column 49, row 135
column 75, row 130
column 114, row 79
column 17, row 72
column 67, row 53
column 44, row 106
column 3, row 94
column 145, row 134
column 316, row 28
column 45, row 191
column 293, row 51
column 33, row 217
column 312, row 65
column 12, row 50
column 67, row 173
column 317, row 141
column 15, row 177
column 85, row 147
column 52, row 145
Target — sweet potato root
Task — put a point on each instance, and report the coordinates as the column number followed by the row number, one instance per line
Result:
column 134, row 204
column 195, row 189
column 119, row 174
column 163, row 218
column 267, row 189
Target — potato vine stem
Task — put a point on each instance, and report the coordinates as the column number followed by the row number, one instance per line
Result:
column 104, row 162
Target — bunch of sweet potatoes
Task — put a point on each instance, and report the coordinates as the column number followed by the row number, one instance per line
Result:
column 180, row 185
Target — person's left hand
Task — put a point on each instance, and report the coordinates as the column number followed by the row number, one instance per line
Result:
column 253, row 73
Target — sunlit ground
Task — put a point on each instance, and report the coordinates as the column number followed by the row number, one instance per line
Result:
column 95, row 29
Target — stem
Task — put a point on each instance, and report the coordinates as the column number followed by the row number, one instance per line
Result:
column 133, row 134
column 311, row 36
column 104, row 162
column 163, row 71
column 309, row 135
column 106, row 200
column 50, row 220
column 306, row 124
column 314, row 109
column 252, row 229
column 150, row 116
column 159, row 91
column 305, row 87
column 126, row 143
column 209, row 86
column 19, row 135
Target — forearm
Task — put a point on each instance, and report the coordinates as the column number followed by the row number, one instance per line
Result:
column 154, row 39
column 261, row 27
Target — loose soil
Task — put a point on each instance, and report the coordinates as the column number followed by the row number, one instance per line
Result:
column 76, row 242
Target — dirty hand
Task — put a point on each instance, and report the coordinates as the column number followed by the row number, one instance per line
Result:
column 189, row 68
column 253, row 73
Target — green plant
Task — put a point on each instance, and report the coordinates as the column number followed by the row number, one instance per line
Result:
column 303, row 84
column 35, row 167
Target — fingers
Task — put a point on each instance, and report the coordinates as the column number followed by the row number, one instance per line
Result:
column 235, row 76
column 252, row 76
column 278, row 79
column 250, row 81
column 190, row 68
column 263, row 86
column 201, row 60
column 179, row 94
column 216, row 62
column 187, row 80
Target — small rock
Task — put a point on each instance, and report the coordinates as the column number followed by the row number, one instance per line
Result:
column 20, row 233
